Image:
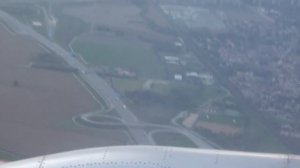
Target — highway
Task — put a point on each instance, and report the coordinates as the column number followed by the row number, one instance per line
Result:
column 100, row 86
column 199, row 141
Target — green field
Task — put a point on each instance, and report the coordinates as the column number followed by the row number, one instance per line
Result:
column 255, row 137
column 118, row 52
column 67, row 27
column 173, row 139
column 8, row 156
column 261, row 140
column 126, row 85
column 161, row 88
column 161, row 103
column 132, row 85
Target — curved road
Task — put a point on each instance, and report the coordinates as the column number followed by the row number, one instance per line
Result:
column 100, row 86
column 91, row 78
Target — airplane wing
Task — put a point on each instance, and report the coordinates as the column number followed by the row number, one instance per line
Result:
column 157, row 157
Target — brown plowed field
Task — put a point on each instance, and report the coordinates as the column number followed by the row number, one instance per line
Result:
column 36, row 113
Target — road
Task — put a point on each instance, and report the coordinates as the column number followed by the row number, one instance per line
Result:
column 198, row 140
column 100, row 86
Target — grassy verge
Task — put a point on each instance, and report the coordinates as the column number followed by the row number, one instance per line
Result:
column 101, row 101
column 9, row 156
column 173, row 139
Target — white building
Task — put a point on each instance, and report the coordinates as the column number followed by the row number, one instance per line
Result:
column 178, row 77
column 37, row 24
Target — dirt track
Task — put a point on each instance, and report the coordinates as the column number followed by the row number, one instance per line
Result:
column 35, row 113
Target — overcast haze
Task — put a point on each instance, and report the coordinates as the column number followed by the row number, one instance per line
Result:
column 209, row 74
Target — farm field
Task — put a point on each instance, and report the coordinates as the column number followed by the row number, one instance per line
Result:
column 37, row 105
column 124, row 15
column 119, row 52
column 120, row 16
